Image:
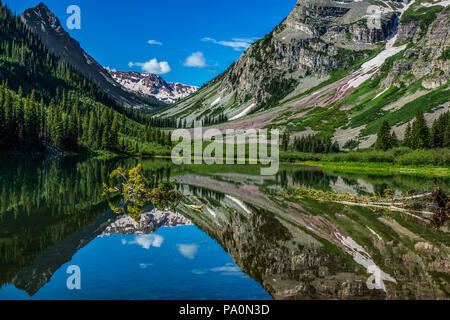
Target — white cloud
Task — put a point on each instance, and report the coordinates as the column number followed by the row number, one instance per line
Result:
column 188, row 250
column 146, row 241
column 196, row 60
column 152, row 66
column 155, row 42
column 229, row 269
column 198, row 272
column 237, row 44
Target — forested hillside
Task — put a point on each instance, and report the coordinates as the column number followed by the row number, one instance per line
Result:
column 44, row 101
column 44, row 24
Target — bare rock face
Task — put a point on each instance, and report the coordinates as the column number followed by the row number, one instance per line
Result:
column 316, row 38
column 149, row 84
column 425, row 57
column 149, row 222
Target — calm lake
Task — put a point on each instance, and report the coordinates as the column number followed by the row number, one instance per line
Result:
column 246, row 242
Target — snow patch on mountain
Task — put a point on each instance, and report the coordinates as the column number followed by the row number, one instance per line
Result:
column 152, row 85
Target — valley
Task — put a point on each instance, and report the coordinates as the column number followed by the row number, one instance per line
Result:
column 358, row 208
column 341, row 103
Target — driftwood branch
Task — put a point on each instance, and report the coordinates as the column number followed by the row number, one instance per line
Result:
column 432, row 207
column 419, row 196
column 412, row 213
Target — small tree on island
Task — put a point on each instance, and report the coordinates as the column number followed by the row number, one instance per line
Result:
column 136, row 193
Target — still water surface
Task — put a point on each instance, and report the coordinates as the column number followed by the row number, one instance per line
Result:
column 52, row 216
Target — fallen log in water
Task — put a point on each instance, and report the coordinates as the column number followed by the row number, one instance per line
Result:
column 412, row 213
column 432, row 207
column 419, row 196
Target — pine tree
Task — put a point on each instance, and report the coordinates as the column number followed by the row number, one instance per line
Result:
column 168, row 140
column 57, row 128
column 438, row 131
column 394, row 140
column 85, row 129
column 30, row 123
column 71, row 142
column 335, row 148
column 99, row 138
column 285, row 141
column 122, row 146
column 420, row 133
column 9, row 119
column 19, row 120
column 447, row 134
column 105, row 141
column 92, row 131
column 384, row 138
column 115, row 134
column 147, row 133
column 408, row 136
column 2, row 114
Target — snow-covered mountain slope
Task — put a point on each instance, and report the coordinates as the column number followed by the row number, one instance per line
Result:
column 149, row 84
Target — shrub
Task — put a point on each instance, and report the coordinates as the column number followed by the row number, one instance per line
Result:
column 300, row 156
column 437, row 157
column 400, row 155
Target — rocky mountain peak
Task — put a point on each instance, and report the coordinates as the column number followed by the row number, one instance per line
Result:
column 149, row 84
column 315, row 38
column 43, row 22
column 43, row 15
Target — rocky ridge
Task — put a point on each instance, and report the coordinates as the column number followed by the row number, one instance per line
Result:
column 41, row 21
column 149, row 84
column 149, row 222
column 315, row 63
column 316, row 38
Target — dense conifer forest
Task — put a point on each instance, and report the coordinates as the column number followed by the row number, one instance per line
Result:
column 45, row 102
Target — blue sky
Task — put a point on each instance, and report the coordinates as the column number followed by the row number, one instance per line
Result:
column 193, row 41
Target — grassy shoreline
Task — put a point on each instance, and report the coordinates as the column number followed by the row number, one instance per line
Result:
column 379, row 168
column 312, row 160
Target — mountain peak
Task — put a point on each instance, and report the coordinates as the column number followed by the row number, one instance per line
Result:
column 41, row 21
column 42, row 6
column 42, row 15
column 149, row 84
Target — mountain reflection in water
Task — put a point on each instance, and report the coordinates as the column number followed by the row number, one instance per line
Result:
column 246, row 236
